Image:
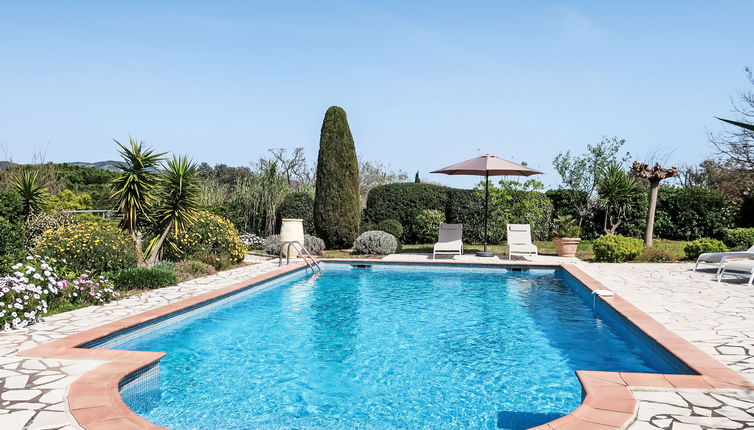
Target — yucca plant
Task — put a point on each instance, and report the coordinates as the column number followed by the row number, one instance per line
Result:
column 738, row 124
column 33, row 193
column 134, row 188
column 617, row 189
column 179, row 200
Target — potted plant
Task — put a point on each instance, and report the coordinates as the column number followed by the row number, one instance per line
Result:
column 566, row 236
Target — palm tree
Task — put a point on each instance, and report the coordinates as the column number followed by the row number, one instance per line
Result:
column 617, row 190
column 33, row 194
column 179, row 197
column 134, row 187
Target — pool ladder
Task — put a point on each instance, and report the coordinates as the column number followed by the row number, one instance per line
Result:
column 302, row 251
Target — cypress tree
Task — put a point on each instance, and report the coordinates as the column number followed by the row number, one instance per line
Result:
column 336, row 200
column 417, row 180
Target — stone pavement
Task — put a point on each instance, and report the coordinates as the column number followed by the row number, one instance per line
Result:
column 718, row 318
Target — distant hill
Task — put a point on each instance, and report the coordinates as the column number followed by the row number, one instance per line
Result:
column 98, row 164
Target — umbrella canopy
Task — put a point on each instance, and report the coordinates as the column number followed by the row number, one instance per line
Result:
column 488, row 165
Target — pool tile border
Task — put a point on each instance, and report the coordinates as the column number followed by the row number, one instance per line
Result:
column 95, row 402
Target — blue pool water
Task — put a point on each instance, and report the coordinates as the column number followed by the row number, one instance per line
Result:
column 389, row 347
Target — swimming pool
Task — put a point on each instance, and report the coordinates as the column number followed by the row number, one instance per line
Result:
column 392, row 346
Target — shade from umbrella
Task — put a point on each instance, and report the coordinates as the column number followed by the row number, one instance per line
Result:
column 488, row 165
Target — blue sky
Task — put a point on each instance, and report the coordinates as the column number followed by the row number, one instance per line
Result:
column 425, row 84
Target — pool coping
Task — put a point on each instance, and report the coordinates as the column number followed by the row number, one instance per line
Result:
column 94, row 399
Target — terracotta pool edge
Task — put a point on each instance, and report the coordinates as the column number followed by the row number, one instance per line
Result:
column 94, row 398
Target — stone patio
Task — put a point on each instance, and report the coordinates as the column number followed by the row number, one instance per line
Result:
column 718, row 318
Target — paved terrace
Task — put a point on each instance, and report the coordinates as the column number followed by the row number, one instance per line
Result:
column 718, row 318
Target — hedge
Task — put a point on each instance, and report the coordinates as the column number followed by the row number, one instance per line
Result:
column 739, row 238
column 689, row 213
column 404, row 201
column 467, row 207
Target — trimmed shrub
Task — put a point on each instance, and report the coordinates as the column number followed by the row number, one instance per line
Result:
column 298, row 205
column 404, row 201
column 190, row 269
column 427, row 225
column 688, row 213
column 701, row 246
column 143, row 278
column 376, row 243
column 739, row 238
column 313, row 244
column 337, row 205
column 211, row 239
column 40, row 222
column 88, row 247
column 616, row 248
column 392, row 226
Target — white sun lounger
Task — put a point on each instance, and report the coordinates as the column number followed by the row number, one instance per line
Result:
column 718, row 258
column 519, row 240
column 740, row 268
column 449, row 240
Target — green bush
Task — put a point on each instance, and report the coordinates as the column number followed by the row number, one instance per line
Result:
column 190, row 269
column 467, row 207
column 211, row 239
column 688, row 213
column 37, row 224
column 701, row 246
column 11, row 206
column 88, row 247
column 616, row 248
column 739, row 238
column 427, row 225
column 657, row 255
column 376, row 243
column 313, row 244
column 404, row 201
column 337, row 205
column 392, row 226
column 143, row 278
column 298, row 205
column 12, row 248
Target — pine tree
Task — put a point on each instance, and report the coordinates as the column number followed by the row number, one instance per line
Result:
column 336, row 199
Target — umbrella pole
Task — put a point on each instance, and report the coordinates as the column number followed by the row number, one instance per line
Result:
column 485, row 253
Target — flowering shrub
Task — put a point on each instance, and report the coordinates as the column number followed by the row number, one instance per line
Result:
column 211, row 239
column 40, row 222
column 25, row 294
column 89, row 290
column 100, row 248
column 252, row 241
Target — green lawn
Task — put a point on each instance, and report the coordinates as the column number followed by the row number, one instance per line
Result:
column 666, row 250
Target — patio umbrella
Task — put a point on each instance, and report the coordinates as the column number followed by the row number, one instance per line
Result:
column 487, row 165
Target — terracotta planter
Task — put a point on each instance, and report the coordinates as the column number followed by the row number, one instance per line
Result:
column 566, row 246
column 291, row 229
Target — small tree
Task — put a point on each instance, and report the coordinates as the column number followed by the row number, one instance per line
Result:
column 653, row 175
column 336, row 200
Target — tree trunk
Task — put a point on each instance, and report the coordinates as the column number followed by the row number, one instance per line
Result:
column 136, row 238
column 158, row 246
column 654, row 187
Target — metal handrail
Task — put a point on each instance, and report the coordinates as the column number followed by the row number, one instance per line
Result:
column 302, row 251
